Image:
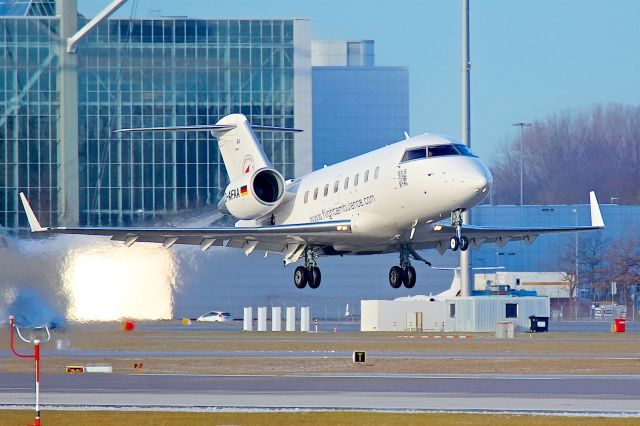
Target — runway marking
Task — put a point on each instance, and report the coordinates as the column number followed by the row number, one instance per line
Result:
column 436, row 337
column 412, row 376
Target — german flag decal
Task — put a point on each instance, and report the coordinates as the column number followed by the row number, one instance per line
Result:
column 243, row 190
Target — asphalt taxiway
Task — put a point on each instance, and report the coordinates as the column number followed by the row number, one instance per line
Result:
column 588, row 394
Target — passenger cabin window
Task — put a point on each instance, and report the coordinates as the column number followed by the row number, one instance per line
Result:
column 326, row 190
column 366, row 176
column 414, row 154
column 375, row 173
column 315, row 194
column 355, row 179
column 346, row 183
column 335, row 186
column 306, row 197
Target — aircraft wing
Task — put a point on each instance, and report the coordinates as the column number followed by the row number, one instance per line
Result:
column 287, row 239
column 437, row 235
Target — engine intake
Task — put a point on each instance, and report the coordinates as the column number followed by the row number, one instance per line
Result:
column 253, row 196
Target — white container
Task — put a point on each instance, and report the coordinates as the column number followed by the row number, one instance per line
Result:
column 276, row 318
column 262, row 319
column 291, row 318
column 305, row 314
column 247, row 325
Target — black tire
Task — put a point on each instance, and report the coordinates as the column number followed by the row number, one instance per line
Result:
column 454, row 243
column 300, row 277
column 396, row 275
column 314, row 277
column 410, row 273
column 464, row 243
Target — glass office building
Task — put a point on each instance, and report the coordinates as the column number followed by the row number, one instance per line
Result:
column 357, row 106
column 28, row 111
column 162, row 71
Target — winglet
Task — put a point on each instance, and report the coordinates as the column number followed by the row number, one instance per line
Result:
column 31, row 217
column 596, row 216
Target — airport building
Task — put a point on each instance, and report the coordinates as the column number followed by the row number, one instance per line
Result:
column 58, row 109
column 357, row 106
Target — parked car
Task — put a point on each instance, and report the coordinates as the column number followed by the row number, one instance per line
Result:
column 215, row 316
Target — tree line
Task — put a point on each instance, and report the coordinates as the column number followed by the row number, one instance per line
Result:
column 569, row 154
column 601, row 262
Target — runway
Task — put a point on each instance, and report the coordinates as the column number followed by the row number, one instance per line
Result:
column 592, row 394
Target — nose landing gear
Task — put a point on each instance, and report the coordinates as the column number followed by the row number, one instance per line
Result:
column 458, row 241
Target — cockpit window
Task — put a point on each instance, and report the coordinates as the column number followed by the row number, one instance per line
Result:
column 442, row 150
column 437, row 151
column 464, row 150
column 414, row 154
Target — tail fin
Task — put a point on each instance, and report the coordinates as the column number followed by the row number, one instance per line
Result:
column 240, row 149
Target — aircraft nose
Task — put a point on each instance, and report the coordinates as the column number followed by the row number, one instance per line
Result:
column 478, row 179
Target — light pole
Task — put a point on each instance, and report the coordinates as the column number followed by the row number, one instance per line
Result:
column 575, row 212
column 522, row 125
column 466, row 276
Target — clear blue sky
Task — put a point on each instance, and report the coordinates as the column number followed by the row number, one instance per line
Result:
column 529, row 58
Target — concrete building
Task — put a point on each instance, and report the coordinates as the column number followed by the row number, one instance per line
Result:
column 460, row 314
column 357, row 106
column 131, row 73
column 482, row 314
column 394, row 315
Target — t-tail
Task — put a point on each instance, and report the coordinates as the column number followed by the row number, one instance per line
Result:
column 241, row 152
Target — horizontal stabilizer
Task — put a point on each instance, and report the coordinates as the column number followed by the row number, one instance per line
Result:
column 205, row 128
column 197, row 128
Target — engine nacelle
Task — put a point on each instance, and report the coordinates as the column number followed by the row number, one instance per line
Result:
column 254, row 195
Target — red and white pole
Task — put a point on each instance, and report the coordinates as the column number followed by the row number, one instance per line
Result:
column 36, row 357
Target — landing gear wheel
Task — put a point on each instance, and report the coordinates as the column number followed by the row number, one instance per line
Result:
column 410, row 275
column 464, row 243
column 396, row 275
column 314, row 277
column 454, row 243
column 300, row 277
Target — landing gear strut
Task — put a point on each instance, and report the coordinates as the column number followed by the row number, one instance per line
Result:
column 403, row 274
column 309, row 273
column 458, row 241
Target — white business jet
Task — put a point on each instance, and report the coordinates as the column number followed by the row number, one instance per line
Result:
column 389, row 200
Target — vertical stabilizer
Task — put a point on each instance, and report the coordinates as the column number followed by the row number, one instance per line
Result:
column 240, row 149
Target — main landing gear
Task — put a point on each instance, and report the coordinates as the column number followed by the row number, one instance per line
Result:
column 458, row 241
column 309, row 273
column 403, row 274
